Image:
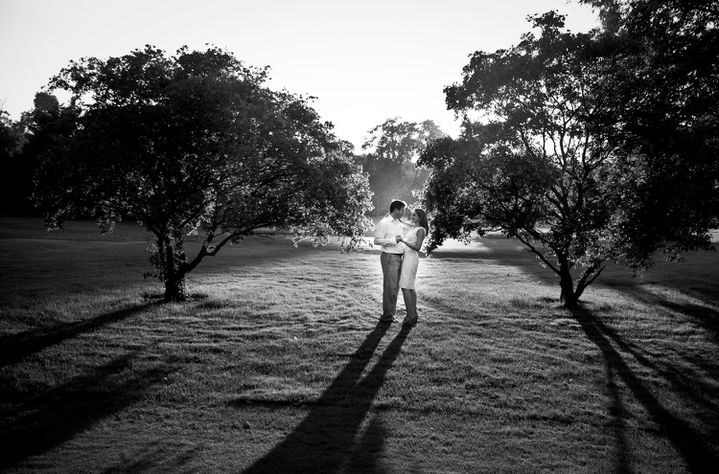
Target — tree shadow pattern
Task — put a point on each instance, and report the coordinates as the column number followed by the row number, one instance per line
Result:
column 697, row 449
column 16, row 347
column 697, row 454
column 47, row 420
column 703, row 315
column 325, row 440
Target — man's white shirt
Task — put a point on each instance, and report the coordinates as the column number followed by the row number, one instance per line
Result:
column 385, row 235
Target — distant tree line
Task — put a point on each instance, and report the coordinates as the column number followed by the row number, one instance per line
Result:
column 390, row 161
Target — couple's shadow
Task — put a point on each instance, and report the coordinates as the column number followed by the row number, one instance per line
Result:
column 325, row 440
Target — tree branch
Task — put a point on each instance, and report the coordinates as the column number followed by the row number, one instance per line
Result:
column 582, row 284
column 537, row 253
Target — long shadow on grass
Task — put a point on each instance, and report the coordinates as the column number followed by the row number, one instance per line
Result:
column 690, row 445
column 16, row 347
column 706, row 317
column 703, row 314
column 684, row 382
column 44, row 422
column 325, row 440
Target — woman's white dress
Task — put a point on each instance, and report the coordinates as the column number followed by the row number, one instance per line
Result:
column 409, row 261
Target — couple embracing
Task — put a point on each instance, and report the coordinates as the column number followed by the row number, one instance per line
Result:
column 400, row 242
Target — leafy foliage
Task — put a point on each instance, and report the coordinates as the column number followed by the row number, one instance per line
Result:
column 551, row 154
column 196, row 145
column 392, row 151
column 664, row 111
column 15, row 169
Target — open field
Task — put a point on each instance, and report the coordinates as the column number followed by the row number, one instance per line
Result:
column 279, row 364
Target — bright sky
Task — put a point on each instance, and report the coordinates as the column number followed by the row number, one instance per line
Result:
column 364, row 60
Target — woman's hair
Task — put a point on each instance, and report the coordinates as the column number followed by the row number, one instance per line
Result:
column 422, row 220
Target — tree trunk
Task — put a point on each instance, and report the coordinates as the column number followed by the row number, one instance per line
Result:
column 174, row 275
column 568, row 296
column 176, row 288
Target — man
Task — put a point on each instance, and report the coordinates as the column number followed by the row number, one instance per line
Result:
column 386, row 237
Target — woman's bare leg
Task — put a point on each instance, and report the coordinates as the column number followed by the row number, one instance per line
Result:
column 410, row 302
column 407, row 302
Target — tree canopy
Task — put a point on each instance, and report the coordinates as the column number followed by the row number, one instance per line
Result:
column 558, row 150
column 391, row 152
column 664, row 112
column 196, row 145
column 15, row 169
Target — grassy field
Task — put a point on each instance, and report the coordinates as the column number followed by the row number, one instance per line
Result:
column 278, row 363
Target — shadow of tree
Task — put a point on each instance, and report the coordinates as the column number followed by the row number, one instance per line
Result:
column 707, row 317
column 16, row 347
column 702, row 314
column 687, row 383
column 691, row 446
column 681, row 380
column 697, row 283
column 48, row 420
column 325, row 440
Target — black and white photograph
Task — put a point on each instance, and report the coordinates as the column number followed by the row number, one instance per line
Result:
column 342, row 236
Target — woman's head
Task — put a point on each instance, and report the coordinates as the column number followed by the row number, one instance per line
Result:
column 419, row 217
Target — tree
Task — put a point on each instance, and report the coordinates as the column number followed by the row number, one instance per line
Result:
column 36, row 132
column 393, row 148
column 194, row 146
column 16, row 175
column 664, row 86
column 8, row 137
column 539, row 159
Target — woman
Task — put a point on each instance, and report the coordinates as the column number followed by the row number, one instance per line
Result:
column 413, row 243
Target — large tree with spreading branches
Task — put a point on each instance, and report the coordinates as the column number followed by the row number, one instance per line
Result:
column 551, row 154
column 662, row 90
column 195, row 146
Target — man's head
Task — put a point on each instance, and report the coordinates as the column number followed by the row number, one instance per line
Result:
column 396, row 208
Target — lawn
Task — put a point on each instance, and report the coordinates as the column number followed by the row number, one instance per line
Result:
column 278, row 363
